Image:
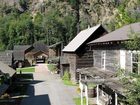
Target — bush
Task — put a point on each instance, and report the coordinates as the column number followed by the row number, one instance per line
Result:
column 52, row 67
column 66, row 76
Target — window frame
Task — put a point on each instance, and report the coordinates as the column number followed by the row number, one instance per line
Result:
column 137, row 62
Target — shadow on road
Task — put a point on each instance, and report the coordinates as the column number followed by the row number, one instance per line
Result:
column 33, row 99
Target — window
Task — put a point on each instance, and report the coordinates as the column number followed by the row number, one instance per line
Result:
column 103, row 56
column 135, row 63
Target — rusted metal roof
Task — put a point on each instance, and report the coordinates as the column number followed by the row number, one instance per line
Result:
column 80, row 39
column 120, row 34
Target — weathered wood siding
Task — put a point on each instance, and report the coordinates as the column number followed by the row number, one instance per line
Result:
column 85, row 60
column 111, row 59
column 128, row 61
column 97, row 58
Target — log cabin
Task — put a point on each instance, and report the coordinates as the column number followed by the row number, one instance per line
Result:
column 110, row 55
column 76, row 55
column 28, row 55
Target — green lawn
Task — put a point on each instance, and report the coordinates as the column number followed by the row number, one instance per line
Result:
column 69, row 83
column 78, row 101
column 26, row 69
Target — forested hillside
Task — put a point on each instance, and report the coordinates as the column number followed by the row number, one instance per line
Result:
column 51, row 21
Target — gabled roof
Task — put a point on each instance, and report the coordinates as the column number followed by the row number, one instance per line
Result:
column 80, row 39
column 19, row 51
column 6, row 69
column 120, row 34
column 40, row 46
column 21, row 47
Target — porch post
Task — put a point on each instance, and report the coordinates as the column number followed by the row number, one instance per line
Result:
column 85, row 77
column 116, row 99
column 86, row 93
column 81, row 88
column 97, row 89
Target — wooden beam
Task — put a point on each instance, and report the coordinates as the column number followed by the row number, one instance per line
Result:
column 86, row 93
column 116, row 99
column 81, row 88
column 97, row 99
column 99, row 80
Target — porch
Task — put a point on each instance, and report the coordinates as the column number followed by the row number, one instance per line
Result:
column 107, row 85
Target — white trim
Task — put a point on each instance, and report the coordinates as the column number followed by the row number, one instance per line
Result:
column 93, row 58
column 97, row 99
column 122, row 59
column 86, row 94
column 116, row 99
column 131, row 63
column 81, row 88
column 103, row 57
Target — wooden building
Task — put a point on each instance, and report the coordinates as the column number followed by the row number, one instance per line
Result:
column 38, row 54
column 76, row 55
column 19, row 52
column 6, row 74
column 7, row 57
column 110, row 56
column 27, row 55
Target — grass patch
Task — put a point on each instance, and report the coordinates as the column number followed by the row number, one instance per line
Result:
column 78, row 101
column 68, row 83
column 26, row 69
column 52, row 67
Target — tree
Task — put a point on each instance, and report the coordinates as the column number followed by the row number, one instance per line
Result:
column 132, row 86
column 134, row 42
column 132, row 81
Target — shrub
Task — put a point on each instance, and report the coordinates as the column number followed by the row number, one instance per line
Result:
column 66, row 76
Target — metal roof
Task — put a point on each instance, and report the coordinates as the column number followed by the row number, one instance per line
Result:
column 120, row 34
column 40, row 46
column 80, row 39
column 21, row 47
column 6, row 69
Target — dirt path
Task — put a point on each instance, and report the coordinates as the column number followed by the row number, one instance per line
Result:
column 48, row 89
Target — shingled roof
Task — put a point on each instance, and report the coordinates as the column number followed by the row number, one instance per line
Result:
column 120, row 34
column 19, row 51
column 39, row 46
column 82, row 37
